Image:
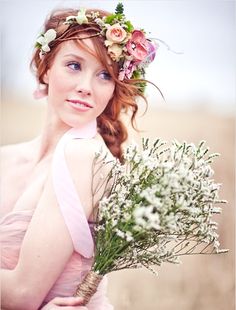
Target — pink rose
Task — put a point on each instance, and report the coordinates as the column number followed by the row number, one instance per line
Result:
column 137, row 46
column 127, row 70
column 115, row 52
column 116, row 34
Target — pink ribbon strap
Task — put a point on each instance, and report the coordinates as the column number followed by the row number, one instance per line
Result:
column 67, row 196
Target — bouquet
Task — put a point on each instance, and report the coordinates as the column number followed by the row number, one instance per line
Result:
column 159, row 207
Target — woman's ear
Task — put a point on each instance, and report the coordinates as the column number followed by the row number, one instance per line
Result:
column 45, row 77
column 41, row 91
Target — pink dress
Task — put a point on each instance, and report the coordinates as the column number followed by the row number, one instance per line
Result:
column 14, row 226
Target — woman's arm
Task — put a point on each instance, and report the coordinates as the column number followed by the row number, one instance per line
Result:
column 45, row 250
column 47, row 245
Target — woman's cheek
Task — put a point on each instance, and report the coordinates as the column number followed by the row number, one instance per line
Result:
column 108, row 91
column 63, row 83
column 59, row 81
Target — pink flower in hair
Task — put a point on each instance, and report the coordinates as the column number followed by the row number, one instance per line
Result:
column 151, row 51
column 127, row 70
column 137, row 46
column 115, row 34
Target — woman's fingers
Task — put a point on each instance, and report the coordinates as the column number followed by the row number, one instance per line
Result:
column 57, row 307
column 67, row 301
column 73, row 308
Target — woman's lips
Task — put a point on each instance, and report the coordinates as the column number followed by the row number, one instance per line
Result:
column 79, row 105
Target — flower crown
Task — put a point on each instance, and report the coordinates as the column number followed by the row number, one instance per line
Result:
column 125, row 45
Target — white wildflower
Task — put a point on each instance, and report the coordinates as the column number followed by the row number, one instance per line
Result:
column 160, row 197
column 146, row 217
column 114, row 222
column 120, row 233
column 128, row 236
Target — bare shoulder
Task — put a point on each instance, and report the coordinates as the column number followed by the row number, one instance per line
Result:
column 85, row 151
column 10, row 149
column 87, row 170
column 13, row 153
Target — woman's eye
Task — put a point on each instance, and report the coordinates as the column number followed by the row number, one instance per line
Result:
column 105, row 75
column 74, row 66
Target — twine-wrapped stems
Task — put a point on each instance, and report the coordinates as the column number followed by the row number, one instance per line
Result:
column 88, row 286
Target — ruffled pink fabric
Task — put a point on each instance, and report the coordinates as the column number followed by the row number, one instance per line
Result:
column 14, row 226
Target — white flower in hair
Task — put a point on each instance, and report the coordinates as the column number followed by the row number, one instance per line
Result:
column 45, row 39
column 81, row 17
column 126, row 45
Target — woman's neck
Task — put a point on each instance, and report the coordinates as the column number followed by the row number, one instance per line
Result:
column 53, row 129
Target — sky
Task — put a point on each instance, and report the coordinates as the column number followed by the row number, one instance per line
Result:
column 199, row 69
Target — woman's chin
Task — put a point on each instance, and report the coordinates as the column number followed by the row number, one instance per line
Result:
column 75, row 123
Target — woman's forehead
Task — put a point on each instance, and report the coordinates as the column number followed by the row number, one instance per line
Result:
column 82, row 48
column 77, row 47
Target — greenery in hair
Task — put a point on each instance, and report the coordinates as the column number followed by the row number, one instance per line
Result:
column 119, row 8
column 126, row 45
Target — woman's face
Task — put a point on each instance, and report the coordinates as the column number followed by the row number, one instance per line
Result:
column 79, row 87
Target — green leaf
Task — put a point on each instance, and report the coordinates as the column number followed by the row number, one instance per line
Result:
column 129, row 26
column 119, row 8
column 109, row 19
column 38, row 45
column 119, row 17
column 141, row 86
column 136, row 74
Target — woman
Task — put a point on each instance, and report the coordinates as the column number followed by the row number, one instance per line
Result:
column 89, row 67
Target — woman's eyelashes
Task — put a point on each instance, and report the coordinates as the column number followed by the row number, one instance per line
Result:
column 105, row 75
column 76, row 66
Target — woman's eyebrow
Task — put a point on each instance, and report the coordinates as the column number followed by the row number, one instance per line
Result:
column 75, row 56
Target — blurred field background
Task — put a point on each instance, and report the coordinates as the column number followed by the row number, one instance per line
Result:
column 199, row 88
column 201, row 282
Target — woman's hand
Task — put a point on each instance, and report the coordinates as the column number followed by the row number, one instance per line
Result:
column 68, row 303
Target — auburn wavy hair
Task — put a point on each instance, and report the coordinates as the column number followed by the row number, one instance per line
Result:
column 110, row 125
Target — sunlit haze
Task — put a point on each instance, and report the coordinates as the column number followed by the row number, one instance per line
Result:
column 200, row 71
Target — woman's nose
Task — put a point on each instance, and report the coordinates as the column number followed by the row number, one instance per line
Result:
column 84, row 86
column 84, row 91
